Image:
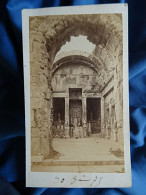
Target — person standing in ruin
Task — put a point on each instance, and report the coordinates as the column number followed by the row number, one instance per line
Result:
column 112, row 127
column 84, row 129
column 115, row 131
column 89, row 129
column 108, row 129
column 71, row 129
column 75, row 121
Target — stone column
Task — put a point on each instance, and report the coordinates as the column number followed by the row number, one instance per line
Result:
column 110, row 111
column 66, row 117
column 103, row 129
column 84, row 110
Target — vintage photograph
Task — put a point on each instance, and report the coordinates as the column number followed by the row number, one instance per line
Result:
column 76, row 96
column 76, row 88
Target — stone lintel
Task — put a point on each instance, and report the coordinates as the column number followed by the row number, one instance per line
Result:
column 92, row 95
column 61, row 95
column 108, row 86
column 108, row 89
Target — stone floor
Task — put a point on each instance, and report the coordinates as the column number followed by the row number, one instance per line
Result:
column 90, row 154
column 85, row 149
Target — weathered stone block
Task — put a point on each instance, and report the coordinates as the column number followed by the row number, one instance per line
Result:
column 35, row 132
column 37, row 47
column 33, row 124
column 41, row 114
column 35, row 144
column 39, row 38
column 48, row 94
column 45, row 147
column 38, row 158
column 32, row 114
column 35, row 69
column 36, row 103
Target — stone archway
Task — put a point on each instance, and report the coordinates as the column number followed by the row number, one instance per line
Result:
column 76, row 59
column 54, row 31
column 47, row 35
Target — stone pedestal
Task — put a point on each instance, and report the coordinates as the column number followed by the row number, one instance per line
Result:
column 66, row 132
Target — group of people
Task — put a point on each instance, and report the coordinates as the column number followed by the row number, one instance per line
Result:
column 77, row 129
column 80, row 131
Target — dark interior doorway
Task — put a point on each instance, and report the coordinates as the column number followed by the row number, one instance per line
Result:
column 75, row 112
column 75, row 93
column 58, row 110
column 94, row 114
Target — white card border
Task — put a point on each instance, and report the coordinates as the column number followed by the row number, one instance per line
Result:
column 46, row 179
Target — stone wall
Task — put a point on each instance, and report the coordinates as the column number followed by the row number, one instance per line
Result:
column 40, row 93
column 75, row 76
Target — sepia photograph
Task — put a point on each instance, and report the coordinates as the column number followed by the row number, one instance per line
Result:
column 76, row 93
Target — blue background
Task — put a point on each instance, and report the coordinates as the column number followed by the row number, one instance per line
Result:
column 12, row 127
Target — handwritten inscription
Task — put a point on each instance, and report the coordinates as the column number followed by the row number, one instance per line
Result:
column 91, row 182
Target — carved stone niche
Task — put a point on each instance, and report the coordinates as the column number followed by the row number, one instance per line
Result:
column 106, row 105
column 112, row 102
